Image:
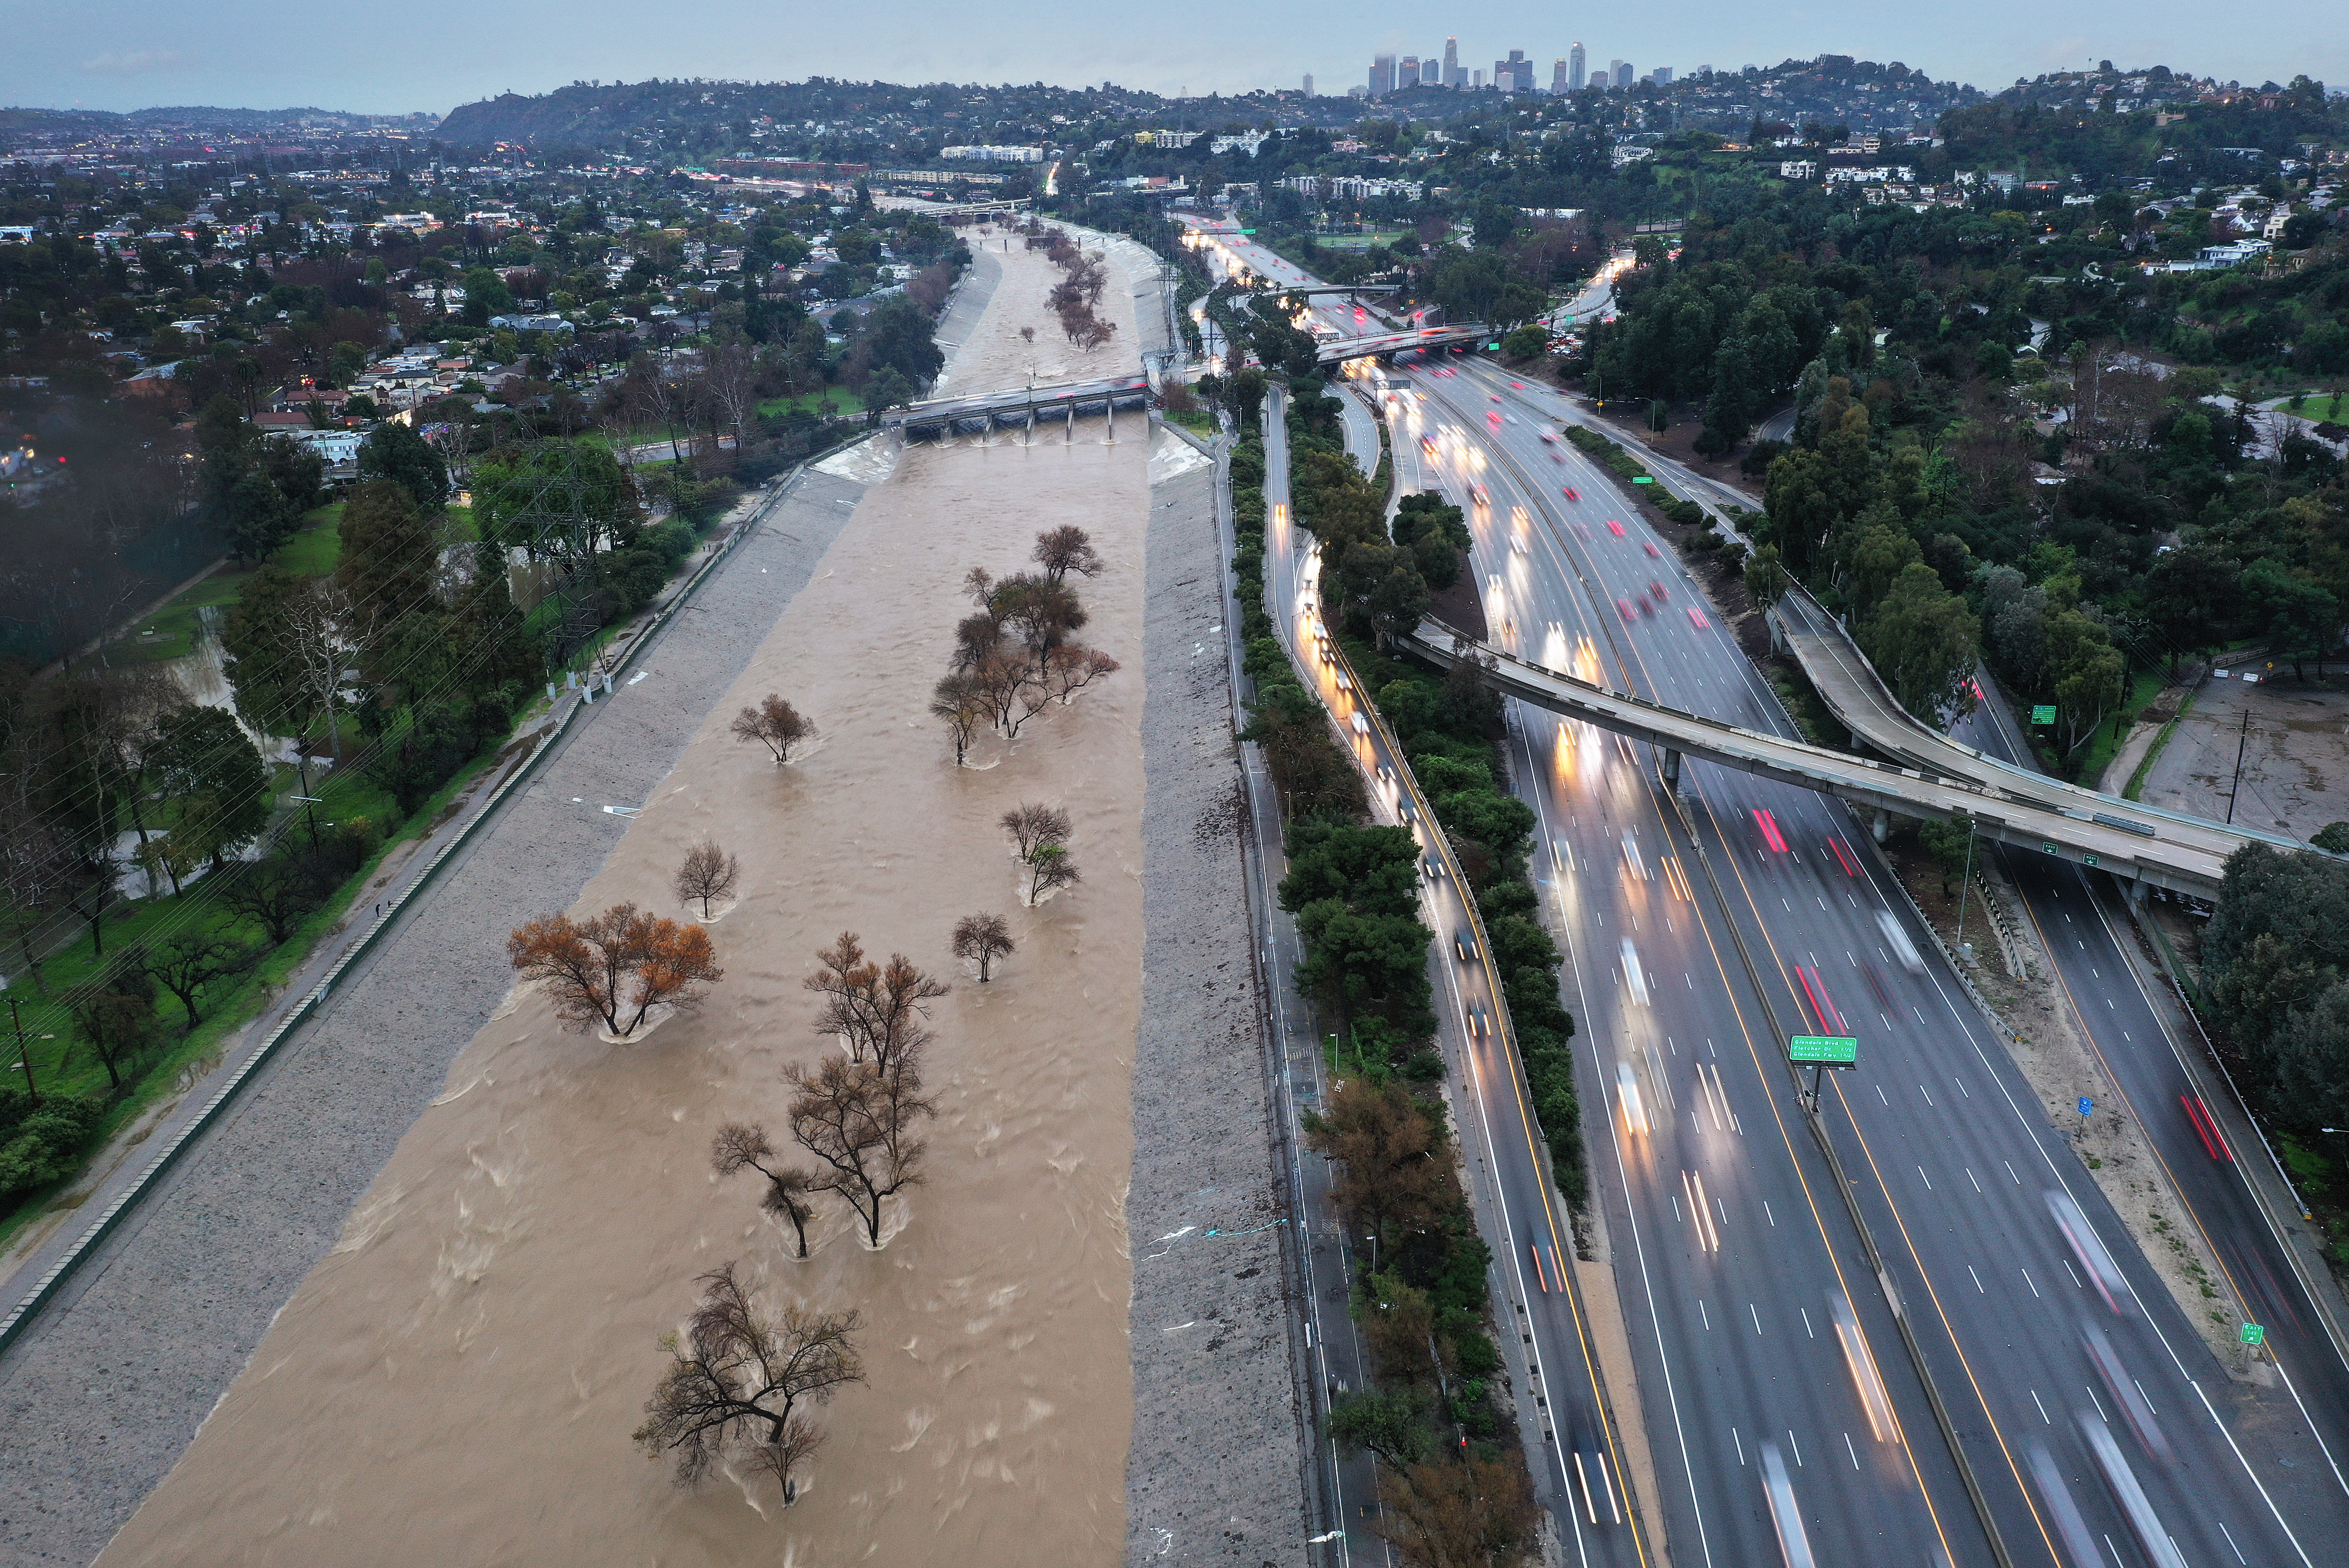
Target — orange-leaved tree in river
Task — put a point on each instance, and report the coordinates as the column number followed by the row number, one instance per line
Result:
column 619, row 964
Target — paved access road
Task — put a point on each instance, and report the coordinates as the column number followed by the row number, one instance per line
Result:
column 1951, row 1158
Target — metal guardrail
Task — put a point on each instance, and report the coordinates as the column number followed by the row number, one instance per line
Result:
column 161, row 1163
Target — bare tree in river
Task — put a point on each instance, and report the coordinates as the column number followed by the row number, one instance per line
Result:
column 745, row 1146
column 960, row 701
column 879, row 1012
column 741, row 1382
column 774, row 724
column 1066, row 548
column 982, row 938
column 1030, row 824
column 859, row 1121
column 707, row 873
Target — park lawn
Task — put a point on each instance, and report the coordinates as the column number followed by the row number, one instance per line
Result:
column 63, row 1063
column 170, row 632
column 2101, row 751
column 459, row 526
column 845, row 401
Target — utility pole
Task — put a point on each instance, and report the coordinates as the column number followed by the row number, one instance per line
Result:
column 24, row 1057
column 1964, row 882
column 2243, row 740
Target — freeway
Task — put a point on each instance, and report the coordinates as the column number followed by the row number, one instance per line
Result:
column 1575, row 1452
column 1952, row 1163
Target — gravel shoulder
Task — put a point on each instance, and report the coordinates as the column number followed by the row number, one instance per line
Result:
column 101, row 1396
column 1214, row 1474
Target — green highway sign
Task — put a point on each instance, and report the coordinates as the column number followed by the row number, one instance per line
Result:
column 2047, row 848
column 2253, row 1333
column 1835, row 1050
column 1642, row 479
column 2044, row 713
column 2091, row 860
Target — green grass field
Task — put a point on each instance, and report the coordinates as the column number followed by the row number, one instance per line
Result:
column 845, row 401
column 63, row 1062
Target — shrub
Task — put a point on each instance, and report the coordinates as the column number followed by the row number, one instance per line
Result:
column 41, row 1144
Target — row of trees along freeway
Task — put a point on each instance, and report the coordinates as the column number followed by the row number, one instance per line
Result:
column 1455, row 1481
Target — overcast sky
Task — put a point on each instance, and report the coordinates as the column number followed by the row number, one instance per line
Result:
column 436, row 53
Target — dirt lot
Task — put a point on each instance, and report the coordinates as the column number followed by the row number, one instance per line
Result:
column 2295, row 753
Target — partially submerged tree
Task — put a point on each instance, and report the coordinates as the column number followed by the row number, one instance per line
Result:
column 878, row 1012
column 961, row 704
column 620, row 963
column 1070, row 669
column 745, row 1146
column 1030, row 824
column 982, row 939
column 740, row 1384
column 707, row 874
column 774, row 724
column 858, row 1120
column 1050, row 867
column 1449, row 1513
column 1066, row 548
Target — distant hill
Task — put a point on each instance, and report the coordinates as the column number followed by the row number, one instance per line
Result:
column 192, row 120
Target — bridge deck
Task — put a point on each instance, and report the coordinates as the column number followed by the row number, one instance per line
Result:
column 1857, row 695
column 1021, row 405
column 2014, row 818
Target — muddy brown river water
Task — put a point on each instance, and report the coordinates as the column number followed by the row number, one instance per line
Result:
column 457, row 1382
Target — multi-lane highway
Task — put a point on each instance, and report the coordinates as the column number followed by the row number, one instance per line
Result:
column 1951, row 1160
column 1704, row 925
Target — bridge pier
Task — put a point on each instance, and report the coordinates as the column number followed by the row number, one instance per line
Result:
column 1671, row 770
column 1882, row 827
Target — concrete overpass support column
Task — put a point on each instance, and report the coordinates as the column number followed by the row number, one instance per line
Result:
column 1671, row 770
column 2135, row 892
column 1882, row 825
column 1109, row 412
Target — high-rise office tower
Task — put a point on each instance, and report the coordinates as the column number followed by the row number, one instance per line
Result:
column 1407, row 73
column 1381, row 75
column 1308, row 83
column 1557, row 75
column 1576, row 75
column 1614, row 68
column 1431, row 71
column 1623, row 73
column 1452, row 76
column 1513, row 75
column 1664, row 76
column 1477, row 78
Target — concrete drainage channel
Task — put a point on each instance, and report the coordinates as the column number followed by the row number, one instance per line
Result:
column 21, row 1315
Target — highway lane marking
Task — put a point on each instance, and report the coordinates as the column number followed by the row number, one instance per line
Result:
column 1757, row 1316
column 2099, row 1404
column 1929, row 1181
column 2231, row 1543
column 1971, row 1177
column 1977, row 1279
column 1852, row 1451
column 2010, row 1171
column 2035, row 1289
column 1807, row 1322
column 2051, row 1422
column 1929, row 1095
column 1704, row 1316
column 1741, row 1445
column 1767, row 1214
column 1962, row 1090
column 1793, row 1444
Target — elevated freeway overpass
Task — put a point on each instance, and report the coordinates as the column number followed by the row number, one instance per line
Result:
column 2131, row 842
column 1339, row 350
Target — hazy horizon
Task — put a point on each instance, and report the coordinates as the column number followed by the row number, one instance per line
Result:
column 434, row 55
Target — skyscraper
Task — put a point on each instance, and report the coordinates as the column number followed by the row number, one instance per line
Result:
column 1431, row 71
column 1513, row 75
column 1381, row 75
column 1575, row 77
column 1407, row 74
column 1614, row 68
column 1557, row 77
column 1308, row 83
column 1452, row 76
column 1623, row 74
column 1662, row 76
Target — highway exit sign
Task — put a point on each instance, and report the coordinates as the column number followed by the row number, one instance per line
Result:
column 1641, row 480
column 2044, row 713
column 1834, row 1050
column 2253, row 1333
